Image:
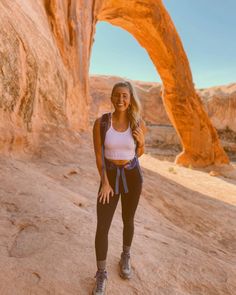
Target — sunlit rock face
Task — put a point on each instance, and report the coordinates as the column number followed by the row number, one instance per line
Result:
column 45, row 51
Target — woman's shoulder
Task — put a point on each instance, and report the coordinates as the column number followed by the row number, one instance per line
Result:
column 103, row 117
column 97, row 120
column 96, row 125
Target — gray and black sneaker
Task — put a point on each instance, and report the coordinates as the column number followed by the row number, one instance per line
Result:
column 125, row 266
column 100, row 286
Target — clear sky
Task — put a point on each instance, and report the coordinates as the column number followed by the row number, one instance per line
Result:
column 207, row 29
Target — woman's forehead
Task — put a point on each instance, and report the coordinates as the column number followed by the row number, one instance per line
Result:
column 122, row 89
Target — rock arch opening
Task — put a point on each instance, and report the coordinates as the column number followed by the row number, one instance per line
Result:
column 150, row 24
column 51, row 51
column 115, row 52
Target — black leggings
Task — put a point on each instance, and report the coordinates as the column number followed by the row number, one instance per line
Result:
column 105, row 212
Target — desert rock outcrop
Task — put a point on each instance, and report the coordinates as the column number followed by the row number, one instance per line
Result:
column 45, row 61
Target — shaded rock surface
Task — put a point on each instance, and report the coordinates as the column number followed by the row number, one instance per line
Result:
column 185, row 224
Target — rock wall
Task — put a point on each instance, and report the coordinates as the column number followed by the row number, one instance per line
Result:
column 45, row 61
column 220, row 103
column 44, row 58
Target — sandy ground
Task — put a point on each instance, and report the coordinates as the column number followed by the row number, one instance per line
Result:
column 185, row 226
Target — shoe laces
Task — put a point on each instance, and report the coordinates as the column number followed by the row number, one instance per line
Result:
column 125, row 258
column 101, row 275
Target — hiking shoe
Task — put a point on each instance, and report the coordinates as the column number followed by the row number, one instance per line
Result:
column 125, row 266
column 100, row 286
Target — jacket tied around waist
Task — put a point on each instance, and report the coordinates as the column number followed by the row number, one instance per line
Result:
column 120, row 172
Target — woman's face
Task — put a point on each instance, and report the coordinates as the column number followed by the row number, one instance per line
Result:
column 121, row 98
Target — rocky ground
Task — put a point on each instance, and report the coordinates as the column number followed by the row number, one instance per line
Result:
column 185, row 237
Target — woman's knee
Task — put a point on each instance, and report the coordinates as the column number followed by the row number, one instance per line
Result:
column 102, row 229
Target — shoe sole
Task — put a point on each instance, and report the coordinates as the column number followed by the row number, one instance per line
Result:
column 125, row 277
column 94, row 293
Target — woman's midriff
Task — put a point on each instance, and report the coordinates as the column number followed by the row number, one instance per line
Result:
column 119, row 162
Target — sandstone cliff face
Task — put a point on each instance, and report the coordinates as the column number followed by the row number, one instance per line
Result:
column 220, row 103
column 45, row 59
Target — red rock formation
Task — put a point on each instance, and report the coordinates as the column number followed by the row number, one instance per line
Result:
column 220, row 103
column 45, row 60
column 150, row 24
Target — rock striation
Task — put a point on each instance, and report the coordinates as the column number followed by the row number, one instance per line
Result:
column 45, row 62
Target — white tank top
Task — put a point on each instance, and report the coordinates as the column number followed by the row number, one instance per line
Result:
column 119, row 145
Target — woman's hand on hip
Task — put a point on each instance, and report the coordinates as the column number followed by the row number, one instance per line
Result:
column 105, row 192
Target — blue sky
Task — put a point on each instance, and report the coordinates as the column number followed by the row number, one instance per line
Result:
column 207, row 29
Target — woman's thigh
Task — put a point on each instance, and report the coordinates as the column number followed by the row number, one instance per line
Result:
column 106, row 211
column 130, row 200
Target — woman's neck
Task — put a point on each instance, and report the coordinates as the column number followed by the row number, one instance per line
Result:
column 120, row 116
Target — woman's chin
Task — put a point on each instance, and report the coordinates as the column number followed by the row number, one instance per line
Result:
column 121, row 109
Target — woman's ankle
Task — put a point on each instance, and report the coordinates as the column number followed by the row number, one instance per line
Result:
column 101, row 265
column 126, row 249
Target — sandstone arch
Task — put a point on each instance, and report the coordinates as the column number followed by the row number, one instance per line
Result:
column 150, row 24
column 44, row 70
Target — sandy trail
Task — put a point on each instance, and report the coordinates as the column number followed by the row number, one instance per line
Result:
column 185, row 236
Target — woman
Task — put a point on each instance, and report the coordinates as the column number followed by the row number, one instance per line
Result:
column 117, row 149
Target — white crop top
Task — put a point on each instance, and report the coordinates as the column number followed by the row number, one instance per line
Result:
column 119, row 145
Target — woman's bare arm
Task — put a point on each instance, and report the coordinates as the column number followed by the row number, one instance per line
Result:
column 106, row 190
column 98, row 150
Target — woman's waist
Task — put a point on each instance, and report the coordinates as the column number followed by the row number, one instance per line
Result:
column 128, row 164
column 119, row 157
column 118, row 162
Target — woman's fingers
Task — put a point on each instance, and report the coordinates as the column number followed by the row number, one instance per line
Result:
column 137, row 133
column 138, row 130
column 104, row 197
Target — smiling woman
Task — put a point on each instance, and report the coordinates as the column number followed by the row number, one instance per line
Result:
column 118, row 142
